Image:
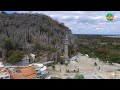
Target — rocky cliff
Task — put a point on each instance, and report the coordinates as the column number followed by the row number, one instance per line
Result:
column 33, row 33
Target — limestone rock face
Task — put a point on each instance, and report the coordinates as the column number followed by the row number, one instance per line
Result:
column 34, row 32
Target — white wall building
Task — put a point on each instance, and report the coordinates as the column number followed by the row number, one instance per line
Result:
column 1, row 65
column 40, row 69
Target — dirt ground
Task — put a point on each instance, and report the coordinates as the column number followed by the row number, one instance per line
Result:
column 86, row 65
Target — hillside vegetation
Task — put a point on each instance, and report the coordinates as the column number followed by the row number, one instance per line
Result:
column 32, row 33
column 106, row 49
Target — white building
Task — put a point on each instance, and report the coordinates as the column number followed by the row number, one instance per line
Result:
column 40, row 69
column 33, row 56
column 1, row 65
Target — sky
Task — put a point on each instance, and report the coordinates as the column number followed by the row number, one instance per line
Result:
column 84, row 22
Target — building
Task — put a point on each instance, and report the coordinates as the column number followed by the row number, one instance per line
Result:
column 24, row 73
column 29, row 72
column 41, row 70
column 24, row 62
column 33, row 71
column 4, row 74
column 17, row 76
column 32, row 56
column 1, row 65
column 49, row 63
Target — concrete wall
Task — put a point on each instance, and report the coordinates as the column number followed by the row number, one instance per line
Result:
column 23, row 62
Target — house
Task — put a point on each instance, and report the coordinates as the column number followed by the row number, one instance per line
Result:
column 1, row 65
column 29, row 72
column 25, row 73
column 32, row 57
column 4, row 74
column 32, row 71
column 49, row 63
column 17, row 76
column 41, row 70
column 36, row 64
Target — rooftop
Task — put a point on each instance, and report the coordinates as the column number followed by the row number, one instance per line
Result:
column 28, row 72
column 4, row 72
column 17, row 76
column 36, row 64
column 25, row 73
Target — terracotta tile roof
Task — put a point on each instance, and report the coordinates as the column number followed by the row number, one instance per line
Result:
column 17, row 76
column 25, row 73
column 29, row 72
column 31, row 76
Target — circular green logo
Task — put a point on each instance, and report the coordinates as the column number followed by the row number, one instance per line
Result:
column 110, row 17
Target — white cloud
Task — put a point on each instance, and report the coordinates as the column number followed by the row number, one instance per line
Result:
column 86, row 21
column 97, row 17
column 97, row 28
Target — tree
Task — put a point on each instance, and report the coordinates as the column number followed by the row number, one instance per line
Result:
column 79, row 76
column 9, row 53
column 71, row 50
column 16, row 56
column 7, row 44
column 61, row 60
column 44, row 28
column 52, row 49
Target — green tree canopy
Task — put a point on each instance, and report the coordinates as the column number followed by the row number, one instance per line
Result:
column 15, row 57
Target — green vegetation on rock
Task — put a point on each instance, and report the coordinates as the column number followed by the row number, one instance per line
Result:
column 31, row 33
column 79, row 76
column 61, row 60
column 15, row 56
column 52, row 49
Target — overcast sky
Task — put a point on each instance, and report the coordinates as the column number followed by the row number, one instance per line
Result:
column 85, row 22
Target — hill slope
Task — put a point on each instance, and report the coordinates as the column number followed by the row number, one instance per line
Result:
column 33, row 33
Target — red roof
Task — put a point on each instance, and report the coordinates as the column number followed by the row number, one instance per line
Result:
column 25, row 73
column 17, row 76
column 29, row 72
